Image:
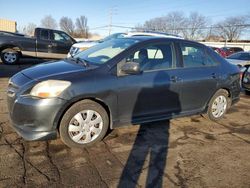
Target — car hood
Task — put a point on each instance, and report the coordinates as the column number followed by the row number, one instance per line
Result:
column 238, row 62
column 54, row 68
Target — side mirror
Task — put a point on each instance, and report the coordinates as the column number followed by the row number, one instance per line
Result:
column 131, row 68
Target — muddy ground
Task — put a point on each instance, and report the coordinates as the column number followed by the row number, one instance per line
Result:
column 184, row 152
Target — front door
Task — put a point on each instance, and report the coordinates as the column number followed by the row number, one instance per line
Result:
column 154, row 92
column 60, row 44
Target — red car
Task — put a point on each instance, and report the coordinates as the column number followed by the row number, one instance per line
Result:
column 219, row 51
column 231, row 50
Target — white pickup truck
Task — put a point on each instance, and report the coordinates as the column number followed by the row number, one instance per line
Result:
column 80, row 46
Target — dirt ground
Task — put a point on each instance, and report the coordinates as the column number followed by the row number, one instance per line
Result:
column 184, row 152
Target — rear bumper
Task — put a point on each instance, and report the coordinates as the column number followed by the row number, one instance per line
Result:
column 246, row 86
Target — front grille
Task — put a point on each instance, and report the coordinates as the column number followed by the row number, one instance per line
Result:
column 73, row 51
column 12, row 89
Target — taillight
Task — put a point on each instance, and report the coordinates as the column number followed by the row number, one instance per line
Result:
column 241, row 75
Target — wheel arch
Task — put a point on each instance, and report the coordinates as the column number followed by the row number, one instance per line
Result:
column 12, row 46
column 222, row 88
column 72, row 102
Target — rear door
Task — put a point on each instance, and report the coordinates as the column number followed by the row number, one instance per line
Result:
column 43, row 43
column 199, row 75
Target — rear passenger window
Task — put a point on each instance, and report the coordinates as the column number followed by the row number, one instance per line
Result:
column 44, row 34
column 210, row 61
column 195, row 56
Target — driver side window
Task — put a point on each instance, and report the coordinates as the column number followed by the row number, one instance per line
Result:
column 60, row 37
column 153, row 57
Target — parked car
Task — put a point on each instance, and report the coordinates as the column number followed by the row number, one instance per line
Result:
column 246, row 80
column 231, row 50
column 241, row 59
column 81, row 46
column 46, row 43
column 127, row 80
column 221, row 52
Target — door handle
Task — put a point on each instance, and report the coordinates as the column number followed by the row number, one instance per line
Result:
column 214, row 75
column 175, row 79
column 49, row 46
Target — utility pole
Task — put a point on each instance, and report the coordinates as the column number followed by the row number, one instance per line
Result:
column 110, row 20
column 111, row 13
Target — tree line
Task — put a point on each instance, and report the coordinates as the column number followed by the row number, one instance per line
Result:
column 78, row 29
column 195, row 26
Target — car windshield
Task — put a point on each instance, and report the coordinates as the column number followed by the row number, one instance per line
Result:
column 113, row 36
column 101, row 53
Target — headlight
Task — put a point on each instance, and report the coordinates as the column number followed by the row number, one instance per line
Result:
column 49, row 88
column 83, row 48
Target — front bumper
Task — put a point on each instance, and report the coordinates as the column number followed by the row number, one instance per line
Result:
column 35, row 119
column 246, row 85
column 29, row 134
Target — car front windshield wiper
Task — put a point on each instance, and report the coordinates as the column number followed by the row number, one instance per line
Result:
column 84, row 62
column 79, row 60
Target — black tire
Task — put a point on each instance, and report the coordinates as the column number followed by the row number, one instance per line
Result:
column 14, row 56
column 209, row 114
column 247, row 92
column 75, row 109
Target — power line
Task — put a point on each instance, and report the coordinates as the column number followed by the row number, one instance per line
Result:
column 183, row 28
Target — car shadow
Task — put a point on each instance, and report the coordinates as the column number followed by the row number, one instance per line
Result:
column 148, row 156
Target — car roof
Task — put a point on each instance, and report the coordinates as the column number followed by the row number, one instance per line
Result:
column 155, row 34
column 158, row 38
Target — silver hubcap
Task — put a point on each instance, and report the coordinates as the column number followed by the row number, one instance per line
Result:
column 10, row 57
column 219, row 106
column 85, row 126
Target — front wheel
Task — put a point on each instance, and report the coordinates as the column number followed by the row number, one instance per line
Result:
column 10, row 56
column 84, row 124
column 218, row 105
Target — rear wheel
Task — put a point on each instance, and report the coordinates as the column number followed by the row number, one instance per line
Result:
column 10, row 56
column 84, row 124
column 218, row 105
column 247, row 92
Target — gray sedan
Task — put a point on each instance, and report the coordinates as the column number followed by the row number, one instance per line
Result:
column 241, row 59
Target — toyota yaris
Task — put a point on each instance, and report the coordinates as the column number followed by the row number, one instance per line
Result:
column 128, row 80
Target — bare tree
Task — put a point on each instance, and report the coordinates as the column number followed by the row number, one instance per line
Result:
column 49, row 22
column 175, row 22
column 67, row 25
column 195, row 25
column 28, row 29
column 169, row 23
column 231, row 28
column 82, row 26
column 156, row 24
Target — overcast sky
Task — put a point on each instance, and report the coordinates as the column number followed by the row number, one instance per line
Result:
column 125, row 13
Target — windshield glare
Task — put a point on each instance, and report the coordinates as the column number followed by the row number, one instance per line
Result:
column 101, row 53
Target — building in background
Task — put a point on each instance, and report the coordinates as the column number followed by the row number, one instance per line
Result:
column 7, row 25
